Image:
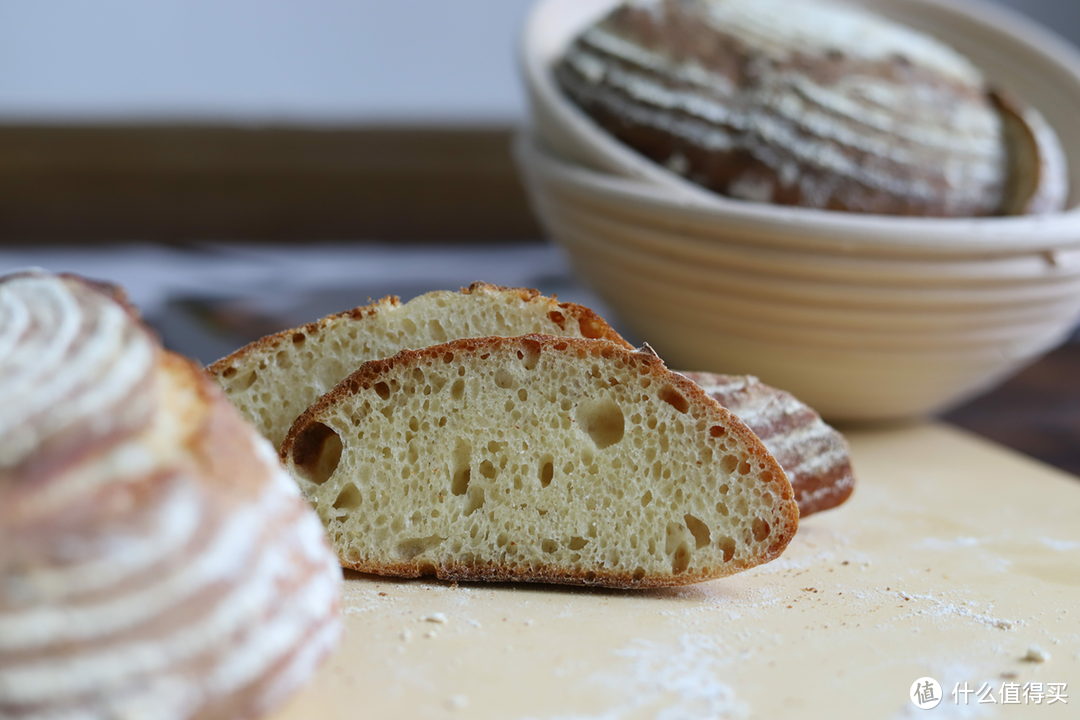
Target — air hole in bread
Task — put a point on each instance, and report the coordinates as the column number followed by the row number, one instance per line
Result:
column 298, row 338
column 348, row 499
column 460, row 483
column 412, row 547
column 549, row 546
column 228, row 372
column 722, row 508
column 577, row 543
column 675, row 537
column 558, row 318
column 646, row 498
column 437, row 332
column 317, row 452
column 681, row 559
column 698, row 529
column 591, row 327
column 727, row 546
column 530, row 353
column 457, row 390
column 639, row 573
column 602, row 419
column 504, row 379
column 717, row 431
column 383, row 390
column 487, row 469
column 547, row 470
column 244, row 382
column 475, row 500
column 674, row 398
column 761, row 529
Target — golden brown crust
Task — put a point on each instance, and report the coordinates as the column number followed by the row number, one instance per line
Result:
column 591, row 324
column 270, row 343
column 302, row 434
column 493, row 572
column 814, row 455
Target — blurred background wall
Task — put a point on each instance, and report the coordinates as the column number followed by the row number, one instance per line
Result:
column 327, row 62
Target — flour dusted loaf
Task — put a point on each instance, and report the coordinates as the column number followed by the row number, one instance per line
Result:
column 273, row 380
column 814, row 455
column 155, row 559
column 811, row 103
column 538, row 458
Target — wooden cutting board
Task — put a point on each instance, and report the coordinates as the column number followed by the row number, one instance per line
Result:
column 952, row 560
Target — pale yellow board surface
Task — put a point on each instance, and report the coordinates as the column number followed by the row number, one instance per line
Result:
column 951, row 560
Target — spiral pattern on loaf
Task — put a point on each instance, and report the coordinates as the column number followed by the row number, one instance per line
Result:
column 174, row 571
column 75, row 368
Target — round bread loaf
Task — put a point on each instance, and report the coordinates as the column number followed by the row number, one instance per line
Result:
column 155, row 559
column 805, row 102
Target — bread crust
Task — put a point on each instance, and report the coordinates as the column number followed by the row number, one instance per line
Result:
column 300, row 444
column 271, row 343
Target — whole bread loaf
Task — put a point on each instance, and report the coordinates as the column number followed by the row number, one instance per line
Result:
column 156, row 560
column 273, row 380
column 806, row 102
column 541, row 459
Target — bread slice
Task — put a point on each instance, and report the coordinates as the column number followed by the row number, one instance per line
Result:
column 273, row 380
column 814, row 455
column 538, row 458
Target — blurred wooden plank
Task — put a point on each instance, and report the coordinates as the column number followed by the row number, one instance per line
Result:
column 174, row 183
column 1037, row 412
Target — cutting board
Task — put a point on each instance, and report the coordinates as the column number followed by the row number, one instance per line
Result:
column 955, row 559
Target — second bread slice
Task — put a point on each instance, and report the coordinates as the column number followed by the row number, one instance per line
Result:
column 538, row 458
column 273, row 380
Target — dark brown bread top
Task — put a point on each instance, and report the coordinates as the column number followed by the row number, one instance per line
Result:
column 794, row 102
column 814, row 455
